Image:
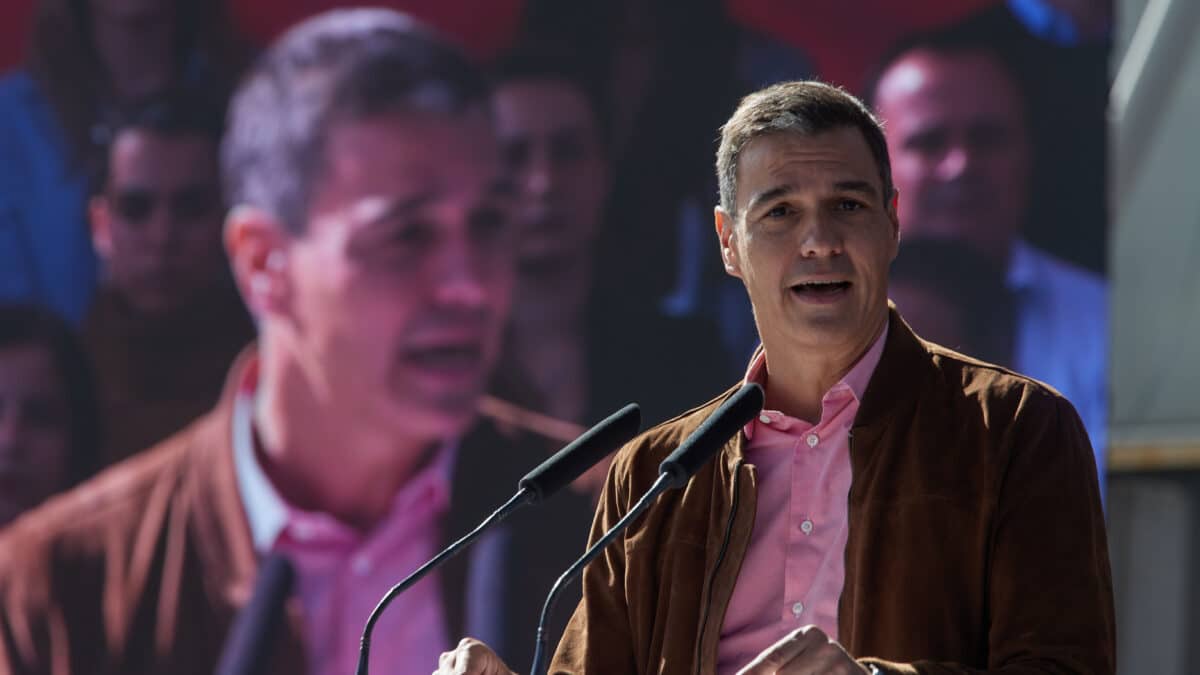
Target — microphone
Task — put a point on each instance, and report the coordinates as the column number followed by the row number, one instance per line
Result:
column 254, row 630
column 585, row 452
column 534, row 487
column 674, row 472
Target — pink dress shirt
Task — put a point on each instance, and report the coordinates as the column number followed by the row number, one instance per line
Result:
column 794, row 568
column 342, row 572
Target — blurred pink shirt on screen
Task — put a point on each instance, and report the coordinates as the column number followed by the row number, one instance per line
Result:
column 342, row 572
column 794, row 569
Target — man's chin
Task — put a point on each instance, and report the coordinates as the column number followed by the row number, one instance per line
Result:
column 445, row 415
column 827, row 328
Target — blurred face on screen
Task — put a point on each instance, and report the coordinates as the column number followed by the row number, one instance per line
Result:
column 35, row 424
column 552, row 144
column 135, row 42
column 813, row 239
column 399, row 286
column 157, row 225
column 960, row 151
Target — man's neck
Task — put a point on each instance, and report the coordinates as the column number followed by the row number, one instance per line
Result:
column 319, row 463
column 798, row 379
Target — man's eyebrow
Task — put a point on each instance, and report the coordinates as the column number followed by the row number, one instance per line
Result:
column 379, row 209
column 861, row 186
column 767, row 195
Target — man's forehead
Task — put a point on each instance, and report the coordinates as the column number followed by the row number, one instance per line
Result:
column 822, row 160
column 149, row 156
column 929, row 81
column 140, row 142
column 407, row 138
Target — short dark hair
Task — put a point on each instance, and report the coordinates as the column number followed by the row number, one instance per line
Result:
column 802, row 107
column 26, row 325
column 181, row 113
column 341, row 65
column 556, row 61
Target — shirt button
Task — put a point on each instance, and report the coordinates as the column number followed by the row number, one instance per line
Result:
column 797, row 609
column 764, row 418
column 807, row 526
column 361, row 565
column 812, row 440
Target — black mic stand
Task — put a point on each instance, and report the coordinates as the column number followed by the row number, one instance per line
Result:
column 524, row 496
column 665, row 482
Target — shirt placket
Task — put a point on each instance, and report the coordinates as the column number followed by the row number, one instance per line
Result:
column 804, row 550
column 798, row 553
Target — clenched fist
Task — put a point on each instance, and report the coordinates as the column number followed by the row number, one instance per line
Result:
column 471, row 657
column 803, row 651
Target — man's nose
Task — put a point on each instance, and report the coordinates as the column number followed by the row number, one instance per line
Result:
column 820, row 237
column 158, row 231
column 539, row 176
column 459, row 277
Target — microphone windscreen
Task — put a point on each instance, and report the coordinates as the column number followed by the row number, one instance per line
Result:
column 713, row 433
column 583, row 453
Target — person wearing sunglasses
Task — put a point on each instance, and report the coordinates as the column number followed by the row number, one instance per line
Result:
column 167, row 319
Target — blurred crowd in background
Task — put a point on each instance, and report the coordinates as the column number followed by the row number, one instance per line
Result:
column 120, row 318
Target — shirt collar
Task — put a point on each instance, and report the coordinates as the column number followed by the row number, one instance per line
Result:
column 855, row 380
column 269, row 514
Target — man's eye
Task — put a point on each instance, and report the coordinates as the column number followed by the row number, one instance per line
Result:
column 850, row 205
column 778, row 211
column 415, row 234
column 929, row 142
column 489, row 223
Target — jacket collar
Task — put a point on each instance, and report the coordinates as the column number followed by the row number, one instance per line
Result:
column 231, row 562
column 902, row 369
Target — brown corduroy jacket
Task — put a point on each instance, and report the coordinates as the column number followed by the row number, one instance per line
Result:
column 976, row 538
column 143, row 568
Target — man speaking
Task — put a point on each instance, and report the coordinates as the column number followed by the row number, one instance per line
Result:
column 896, row 508
column 371, row 241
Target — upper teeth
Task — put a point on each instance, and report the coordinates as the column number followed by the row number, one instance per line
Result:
column 820, row 283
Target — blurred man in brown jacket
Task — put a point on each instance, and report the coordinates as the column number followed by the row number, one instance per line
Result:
column 370, row 238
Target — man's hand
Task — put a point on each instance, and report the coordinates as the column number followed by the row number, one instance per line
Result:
column 804, row 650
column 471, row 657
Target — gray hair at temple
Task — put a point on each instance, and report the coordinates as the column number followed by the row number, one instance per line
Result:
column 339, row 66
column 807, row 108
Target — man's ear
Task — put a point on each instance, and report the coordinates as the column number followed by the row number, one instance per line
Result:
column 727, row 238
column 100, row 225
column 256, row 244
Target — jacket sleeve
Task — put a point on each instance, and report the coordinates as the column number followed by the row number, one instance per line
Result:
column 32, row 630
column 1049, row 584
column 598, row 638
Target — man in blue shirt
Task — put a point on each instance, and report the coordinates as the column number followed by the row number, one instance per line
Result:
column 958, row 134
column 46, row 256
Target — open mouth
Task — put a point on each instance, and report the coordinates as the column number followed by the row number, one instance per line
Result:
column 447, row 358
column 820, row 289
